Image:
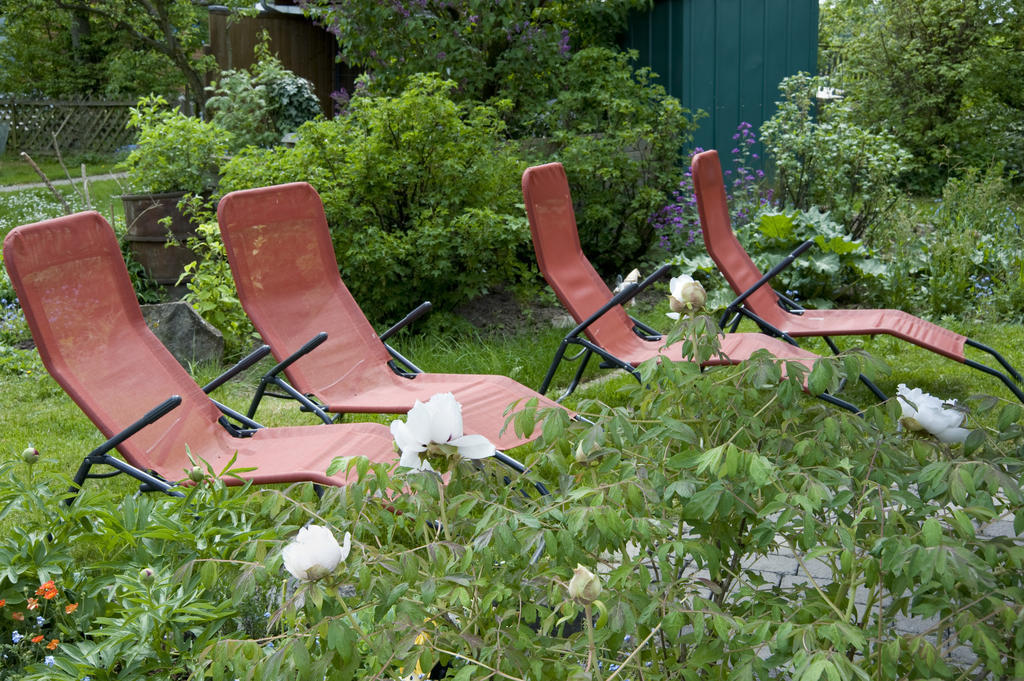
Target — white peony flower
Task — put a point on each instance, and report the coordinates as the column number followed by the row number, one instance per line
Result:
column 922, row 411
column 438, row 422
column 315, row 553
column 685, row 295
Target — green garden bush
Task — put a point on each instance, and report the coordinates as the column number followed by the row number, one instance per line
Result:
column 175, row 152
column 620, row 138
column 258, row 106
column 820, row 156
column 421, row 193
column 673, row 500
column 961, row 255
column 942, row 76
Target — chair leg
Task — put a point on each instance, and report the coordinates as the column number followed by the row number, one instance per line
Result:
column 1007, row 381
column 546, row 383
column 863, row 379
column 999, row 358
column 78, row 480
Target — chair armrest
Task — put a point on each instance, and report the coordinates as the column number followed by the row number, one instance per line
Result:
column 150, row 417
column 770, row 274
column 790, row 305
column 310, row 345
column 421, row 310
column 627, row 293
column 644, row 331
column 243, row 364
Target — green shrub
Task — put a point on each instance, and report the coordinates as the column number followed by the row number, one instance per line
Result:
column 211, row 290
column 175, row 152
column 820, row 156
column 495, row 51
column 421, row 194
column 620, row 139
column 676, row 502
column 962, row 255
column 260, row 105
column 943, row 76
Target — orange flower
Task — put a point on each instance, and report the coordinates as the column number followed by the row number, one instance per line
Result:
column 68, row 609
column 3, row 602
column 17, row 616
column 52, row 645
column 33, row 603
column 47, row 590
column 37, row 639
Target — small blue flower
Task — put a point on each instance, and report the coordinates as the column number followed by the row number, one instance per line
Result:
column 40, row 621
column 16, row 637
column 48, row 660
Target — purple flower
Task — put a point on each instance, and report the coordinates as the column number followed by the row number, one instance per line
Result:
column 563, row 44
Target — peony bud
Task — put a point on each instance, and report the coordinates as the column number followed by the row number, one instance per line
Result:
column 147, row 575
column 30, row 455
column 196, row 474
column 584, row 585
column 685, row 296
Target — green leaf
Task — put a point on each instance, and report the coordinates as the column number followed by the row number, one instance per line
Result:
column 820, row 378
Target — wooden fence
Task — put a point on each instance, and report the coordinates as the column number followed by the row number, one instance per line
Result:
column 75, row 126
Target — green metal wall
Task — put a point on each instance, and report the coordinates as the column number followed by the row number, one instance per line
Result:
column 726, row 57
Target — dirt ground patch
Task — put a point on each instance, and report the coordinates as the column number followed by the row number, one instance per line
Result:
column 502, row 313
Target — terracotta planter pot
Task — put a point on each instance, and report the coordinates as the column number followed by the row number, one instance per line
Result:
column 158, row 248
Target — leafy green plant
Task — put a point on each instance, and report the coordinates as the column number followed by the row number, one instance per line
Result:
column 260, row 105
column 672, row 508
column 940, row 75
column 175, row 152
column 211, row 289
column 420, row 192
column 836, row 269
column 494, row 50
column 619, row 136
column 821, row 157
column 962, row 255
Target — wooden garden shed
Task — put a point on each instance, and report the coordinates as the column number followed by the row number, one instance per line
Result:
column 726, row 57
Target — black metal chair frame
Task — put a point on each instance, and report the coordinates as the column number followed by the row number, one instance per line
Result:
column 150, row 481
column 272, row 378
column 737, row 309
column 400, row 365
column 588, row 348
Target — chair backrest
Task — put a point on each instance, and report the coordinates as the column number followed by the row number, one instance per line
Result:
column 79, row 302
column 721, row 243
column 560, row 258
column 286, row 273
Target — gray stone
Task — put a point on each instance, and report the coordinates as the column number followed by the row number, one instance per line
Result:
column 189, row 337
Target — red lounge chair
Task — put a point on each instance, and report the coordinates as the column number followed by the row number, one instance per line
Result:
column 283, row 262
column 621, row 341
column 781, row 317
column 80, row 306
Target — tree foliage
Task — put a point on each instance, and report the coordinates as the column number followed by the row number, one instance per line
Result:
column 942, row 75
column 511, row 49
column 119, row 47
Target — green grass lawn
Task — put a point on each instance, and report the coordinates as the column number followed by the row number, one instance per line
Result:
column 15, row 170
column 32, row 205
